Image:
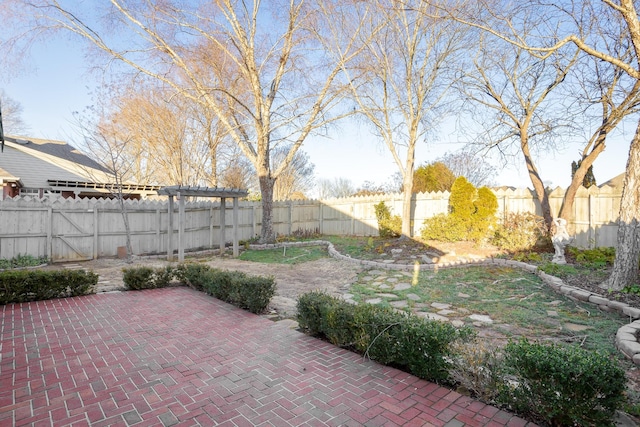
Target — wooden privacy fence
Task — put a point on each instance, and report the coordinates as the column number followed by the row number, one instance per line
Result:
column 82, row 229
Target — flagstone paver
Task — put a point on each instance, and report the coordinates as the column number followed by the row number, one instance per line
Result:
column 175, row 356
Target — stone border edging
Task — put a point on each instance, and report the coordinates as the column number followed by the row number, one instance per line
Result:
column 626, row 337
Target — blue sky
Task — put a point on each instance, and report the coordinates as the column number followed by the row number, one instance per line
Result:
column 55, row 82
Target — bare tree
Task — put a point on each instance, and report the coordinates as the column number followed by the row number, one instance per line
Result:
column 12, row 121
column 170, row 142
column 335, row 188
column 605, row 21
column 286, row 81
column 614, row 96
column 472, row 166
column 513, row 95
column 296, row 179
column 109, row 149
column 405, row 80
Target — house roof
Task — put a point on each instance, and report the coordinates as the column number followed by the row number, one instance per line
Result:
column 48, row 163
column 615, row 182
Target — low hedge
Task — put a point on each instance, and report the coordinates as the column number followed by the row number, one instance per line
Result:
column 34, row 285
column 562, row 385
column 252, row 293
column 193, row 274
column 138, row 278
column 406, row 341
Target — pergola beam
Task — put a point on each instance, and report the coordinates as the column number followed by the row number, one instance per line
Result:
column 183, row 191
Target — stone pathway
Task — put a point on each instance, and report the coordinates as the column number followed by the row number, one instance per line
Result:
column 384, row 282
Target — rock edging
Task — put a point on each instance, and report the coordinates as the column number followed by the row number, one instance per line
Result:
column 626, row 336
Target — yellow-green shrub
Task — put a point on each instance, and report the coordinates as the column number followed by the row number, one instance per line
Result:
column 388, row 225
column 471, row 216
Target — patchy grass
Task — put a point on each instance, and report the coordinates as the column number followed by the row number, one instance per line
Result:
column 286, row 255
column 518, row 302
column 22, row 261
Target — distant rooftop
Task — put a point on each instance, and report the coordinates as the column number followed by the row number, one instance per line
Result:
column 58, row 149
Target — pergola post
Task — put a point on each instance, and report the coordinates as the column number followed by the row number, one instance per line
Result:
column 236, row 249
column 223, row 224
column 187, row 191
column 181, row 227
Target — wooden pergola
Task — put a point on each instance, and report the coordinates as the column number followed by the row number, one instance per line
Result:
column 180, row 192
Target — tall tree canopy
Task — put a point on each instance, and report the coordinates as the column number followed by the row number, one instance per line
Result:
column 262, row 69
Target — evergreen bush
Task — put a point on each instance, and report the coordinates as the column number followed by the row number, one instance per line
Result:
column 192, row 274
column 35, row 285
column 138, row 278
column 252, row 293
column 461, row 199
column 471, row 215
column 388, row 225
column 419, row 346
column 562, row 385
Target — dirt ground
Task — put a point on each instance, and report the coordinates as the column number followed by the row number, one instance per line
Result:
column 326, row 274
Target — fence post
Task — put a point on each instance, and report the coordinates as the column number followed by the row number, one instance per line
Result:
column 170, row 231
column 353, row 220
column 253, row 220
column 223, row 225
column 290, row 218
column 592, row 225
column 50, row 232
column 321, row 218
column 181, row 218
column 211, row 226
column 158, row 235
column 95, row 232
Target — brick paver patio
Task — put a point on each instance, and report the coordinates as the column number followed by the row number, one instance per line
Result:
column 179, row 357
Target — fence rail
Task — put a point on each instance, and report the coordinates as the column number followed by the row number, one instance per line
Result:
column 72, row 229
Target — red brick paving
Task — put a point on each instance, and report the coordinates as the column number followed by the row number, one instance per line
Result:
column 179, row 357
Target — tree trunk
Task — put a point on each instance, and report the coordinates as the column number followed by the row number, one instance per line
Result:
column 407, row 190
column 625, row 266
column 566, row 211
column 266, row 191
column 538, row 185
column 127, row 227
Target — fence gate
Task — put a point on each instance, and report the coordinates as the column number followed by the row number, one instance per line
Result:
column 71, row 235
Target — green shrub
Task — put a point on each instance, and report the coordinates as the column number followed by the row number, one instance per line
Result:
column 192, row 274
column 461, row 199
column 633, row 289
column 312, row 307
column 594, row 258
column 252, row 293
column 419, row 346
column 138, row 278
column 519, row 232
column 484, row 218
column 527, row 257
column 255, row 292
column 388, row 226
column 562, row 385
column 34, row 285
column 471, row 217
column 443, row 228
